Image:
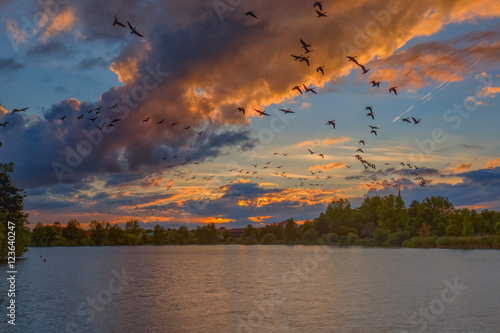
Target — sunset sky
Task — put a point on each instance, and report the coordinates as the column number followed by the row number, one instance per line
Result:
column 200, row 60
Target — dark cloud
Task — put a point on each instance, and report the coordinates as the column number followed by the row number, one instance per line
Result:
column 92, row 62
column 10, row 65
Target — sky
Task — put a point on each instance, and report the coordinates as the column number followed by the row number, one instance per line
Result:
column 123, row 127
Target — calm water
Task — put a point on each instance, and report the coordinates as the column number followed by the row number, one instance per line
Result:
column 255, row 289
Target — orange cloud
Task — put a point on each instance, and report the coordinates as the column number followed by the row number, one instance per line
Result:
column 329, row 166
column 322, row 143
column 17, row 35
column 493, row 164
column 258, row 218
column 216, row 220
column 64, row 22
column 462, row 167
column 125, row 66
column 489, row 91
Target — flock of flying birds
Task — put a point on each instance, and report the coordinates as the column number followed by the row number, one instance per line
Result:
column 243, row 173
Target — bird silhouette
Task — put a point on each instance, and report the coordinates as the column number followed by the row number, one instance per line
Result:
column 309, row 89
column 262, row 113
column 93, row 119
column 286, row 111
column 370, row 114
column 362, row 141
column 331, row 122
column 415, row 121
column 320, row 14
column 406, row 119
column 133, row 30
column 146, row 120
column 115, row 120
column 90, row 111
column 161, row 121
column 241, row 109
column 199, row 133
column 304, row 44
column 298, row 89
column 318, row 4
column 323, row 156
column 312, row 152
column 80, row 117
column 116, row 22
column 187, row 127
column 173, row 124
column 375, row 83
column 63, row 117
column 360, row 150
column 364, row 69
column 114, row 106
column 374, row 132
column 373, row 127
column 353, row 59
column 99, row 108
column 296, row 57
column 251, row 13
column 320, row 69
column 393, row 89
column 4, row 123
column 304, row 59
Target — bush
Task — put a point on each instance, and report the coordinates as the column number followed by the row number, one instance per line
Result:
column 250, row 240
column 268, row 238
column 380, row 236
column 466, row 243
column 421, row 242
column 343, row 241
column 309, row 236
column 330, row 238
column 352, row 238
column 396, row 239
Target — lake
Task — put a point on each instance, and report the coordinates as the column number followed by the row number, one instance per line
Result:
column 232, row 288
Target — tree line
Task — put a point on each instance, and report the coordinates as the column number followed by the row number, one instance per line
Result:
column 378, row 221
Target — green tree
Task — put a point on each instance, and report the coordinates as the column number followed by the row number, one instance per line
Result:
column 42, row 235
column 392, row 214
column 250, row 235
column 290, row 232
column 338, row 214
column 455, row 226
column 207, row 234
column 158, row 235
column 132, row 227
column 275, row 228
column 74, row 233
column 182, row 235
column 468, row 228
column 369, row 208
column 115, row 234
column 321, row 224
column 12, row 218
column 98, row 232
